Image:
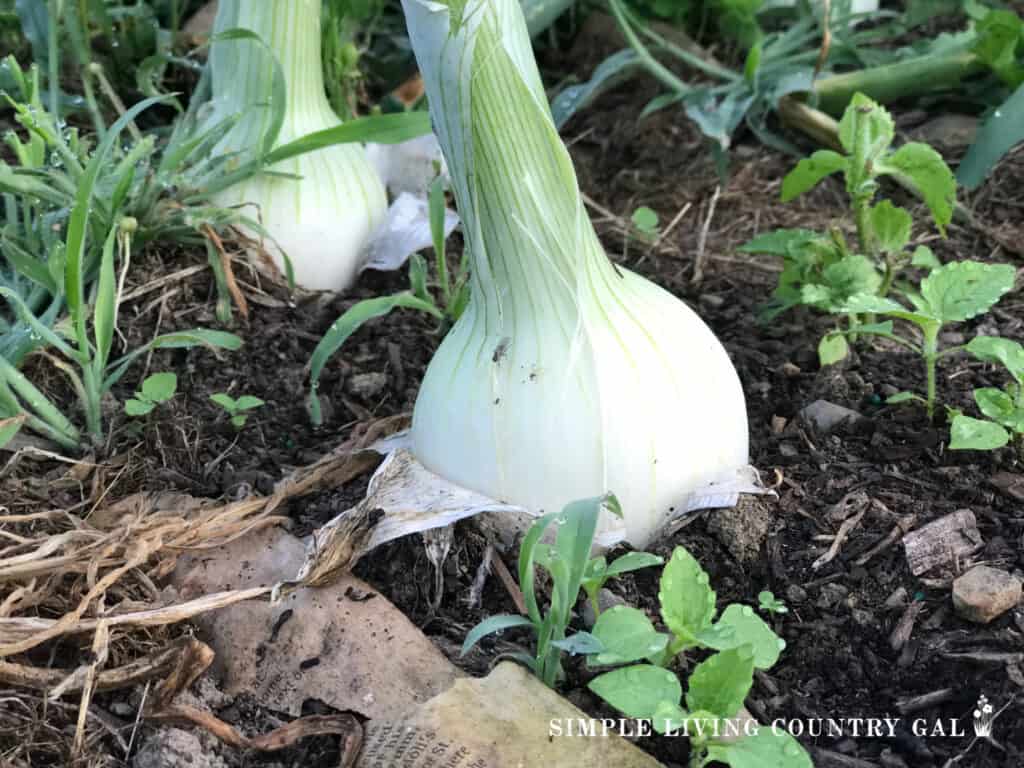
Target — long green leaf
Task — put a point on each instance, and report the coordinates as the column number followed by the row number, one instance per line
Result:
column 380, row 129
column 106, row 303
column 1000, row 132
column 348, row 324
column 491, row 625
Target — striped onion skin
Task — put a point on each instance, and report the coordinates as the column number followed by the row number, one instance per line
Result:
column 323, row 220
column 567, row 376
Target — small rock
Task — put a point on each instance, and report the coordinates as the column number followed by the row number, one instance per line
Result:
column 743, row 528
column 778, row 424
column 832, row 594
column 950, row 131
column 788, row 450
column 983, row 593
column 122, row 709
column 795, row 593
column 711, row 300
column 176, row 748
column 790, row 370
column 826, row 416
column 897, row 599
column 605, row 599
column 952, row 338
column 862, row 617
column 367, row 385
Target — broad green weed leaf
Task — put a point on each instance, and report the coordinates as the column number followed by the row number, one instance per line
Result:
column 890, row 226
column 668, row 716
column 580, row 644
column 135, row 407
column 832, row 348
column 687, row 599
column 720, row 683
column 491, row 625
column 248, row 402
column 995, row 404
column 964, row 289
column 769, row 748
column 999, row 36
column 160, row 387
column 866, row 129
column 928, row 173
column 627, row 635
column 637, row 691
column 967, row 434
column 993, row 349
column 225, row 401
column 810, row 171
column 750, row 629
column 645, row 220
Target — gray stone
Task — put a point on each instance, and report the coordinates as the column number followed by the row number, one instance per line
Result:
column 826, row 416
column 984, row 593
column 367, row 385
column 743, row 528
column 796, row 594
column 176, row 748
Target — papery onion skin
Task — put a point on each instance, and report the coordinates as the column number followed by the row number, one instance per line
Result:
column 324, row 220
column 567, row 376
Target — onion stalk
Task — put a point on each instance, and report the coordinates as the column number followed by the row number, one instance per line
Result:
column 566, row 376
column 320, row 208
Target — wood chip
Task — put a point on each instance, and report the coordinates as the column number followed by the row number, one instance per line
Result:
column 946, row 543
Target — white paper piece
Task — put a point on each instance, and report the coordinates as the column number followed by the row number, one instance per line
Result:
column 409, row 166
column 405, row 231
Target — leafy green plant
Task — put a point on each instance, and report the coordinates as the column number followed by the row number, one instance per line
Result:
column 236, row 409
column 822, row 271
column 769, row 603
column 951, row 293
column 156, row 389
column 571, row 568
column 645, row 223
column 452, row 290
column 1003, row 408
column 718, row 686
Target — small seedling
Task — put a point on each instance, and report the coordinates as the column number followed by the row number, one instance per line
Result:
column 769, row 603
column 1003, row 408
column 571, row 568
column 717, row 687
column 156, row 389
column 237, row 408
column 645, row 223
column 950, row 294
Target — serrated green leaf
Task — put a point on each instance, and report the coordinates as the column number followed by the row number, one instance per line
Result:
column 924, row 258
column 890, row 226
column 927, row 172
column 627, row 635
column 851, row 275
column 832, row 348
column 721, row 683
column 810, row 171
column 866, row 129
column 768, row 748
column 750, row 629
column 160, row 387
column 637, row 691
column 967, row 434
column 993, row 349
column 964, row 289
column 134, row 407
column 687, row 599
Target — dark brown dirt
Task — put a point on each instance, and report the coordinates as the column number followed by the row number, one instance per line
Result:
column 838, row 662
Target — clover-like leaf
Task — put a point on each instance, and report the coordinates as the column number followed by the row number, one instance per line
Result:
column 160, row 387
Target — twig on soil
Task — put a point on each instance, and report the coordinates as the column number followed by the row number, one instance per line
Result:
column 700, row 260
column 476, row 589
column 229, row 272
column 844, row 530
column 925, row 701
column 173, row 277
column 510, row 583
